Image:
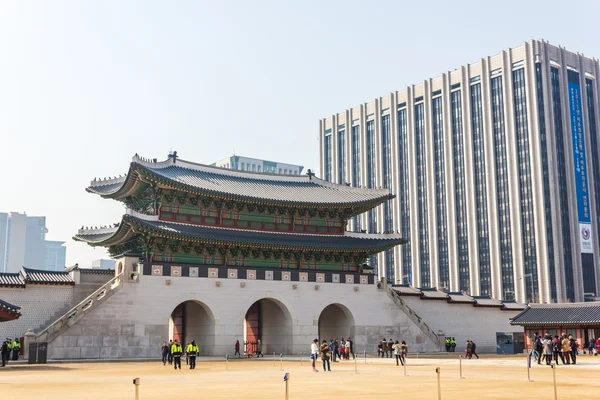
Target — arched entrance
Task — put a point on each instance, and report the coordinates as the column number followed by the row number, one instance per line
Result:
column 270, row 321
column 335, row 322
column 193, row 320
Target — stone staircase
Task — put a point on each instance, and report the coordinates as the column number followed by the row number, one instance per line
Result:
column 414, row 317
column 74, row 314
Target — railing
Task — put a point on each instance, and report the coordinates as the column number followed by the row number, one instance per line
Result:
column 69, row 318
column 414, row 317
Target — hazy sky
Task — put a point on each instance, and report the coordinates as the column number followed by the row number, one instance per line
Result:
column 84, row 85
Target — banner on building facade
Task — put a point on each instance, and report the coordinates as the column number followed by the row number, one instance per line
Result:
column 580, row 164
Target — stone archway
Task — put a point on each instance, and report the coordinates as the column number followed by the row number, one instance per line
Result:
column 193, row 320
column 336, row 322
column 270, row 321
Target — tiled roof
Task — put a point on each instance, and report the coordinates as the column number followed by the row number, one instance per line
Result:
column 559, row 314
column 406, row 290
column 459, row 297
column 4, row 306
column 46, row 277
column 97, row 271
column 238, row 185
column 486, row 301
column 239, row 237
column 9, row 279
column 433, row 294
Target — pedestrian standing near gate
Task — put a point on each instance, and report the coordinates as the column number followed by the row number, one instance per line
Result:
column 448, row 345
column 383, row 348
column 453, row 344
column 5, row 351
column 314, row 353
column 176, row 351
column 574, row 346
column 170, row 357
column 259, row 349
column 192, row 350
column 16, row 346
column 352, row 347
column 397, row 352
column 325, row 356
column 165, row 350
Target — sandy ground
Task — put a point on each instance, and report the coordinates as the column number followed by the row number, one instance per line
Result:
column 491, row 378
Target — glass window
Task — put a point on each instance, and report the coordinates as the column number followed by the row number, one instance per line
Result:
column 421, row 166
column 243, row 166
column 341, row 146
column 328, row 156
column 403, row 196
column 437, row 124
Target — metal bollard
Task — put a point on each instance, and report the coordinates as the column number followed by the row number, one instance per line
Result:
column 528, row 367
column 437, row 371
column 226, row 362
column 136, row 382
column 460, row 366
column 404, row 367
column 554, row 380
column 273, row 358
column 286, row 378
column 301, row 358
column 365, row 356
column 281, row 356
column 355, row 366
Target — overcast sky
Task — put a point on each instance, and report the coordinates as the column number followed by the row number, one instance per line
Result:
column 84, row 85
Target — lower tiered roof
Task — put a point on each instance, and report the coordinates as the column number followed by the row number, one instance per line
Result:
column 8, row 312
column 133, row 224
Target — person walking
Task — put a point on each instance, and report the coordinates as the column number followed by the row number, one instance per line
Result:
column 16, row 346
column 468, row 349
column 566, row 349
column 259, row 349
column 165, row 350
column 383, row 348
column 547, row 343
column 574, row 346
column 336, row 350
column 170, row 357
column 314, row 353
column 176, row 351
column 557, row 349
column 592, row 346
column 237, row 349
column 390, row 349
column 539, row 349
column 473, row 350
column 352, row 347
column 192, row 350
column 404, row 348
column 347, row 349
column 325, row 356
column 397, row 352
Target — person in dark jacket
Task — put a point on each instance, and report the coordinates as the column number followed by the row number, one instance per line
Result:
column 170, row 356
column 325, row 356
column 16, row 347
column 473, row 348
column 165, row 350
column 574, row 347
column 5, row 351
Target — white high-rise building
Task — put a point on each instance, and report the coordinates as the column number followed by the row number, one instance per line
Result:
column 258, row 165
column 496, row 170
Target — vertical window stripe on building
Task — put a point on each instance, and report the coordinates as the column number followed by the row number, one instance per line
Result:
column 502, row 186
column 341, row 147
column 356, row 167
column 421, row 165
column 546, row 180
column 462, row 234
column 485, row 278
column 440, row 191
column 589, row 283
column 562, row 184
column 403, row 195
column 525, row 185
column 328, row 155
column 386, row 155
column 372, row 215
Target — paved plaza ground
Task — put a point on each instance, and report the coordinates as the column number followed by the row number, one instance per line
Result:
column 487, row 378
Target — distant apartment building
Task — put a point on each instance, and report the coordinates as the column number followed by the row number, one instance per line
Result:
column 258, row 165
column 496, row 169
column 55, row 255
column 23, row 243
column 103, row 264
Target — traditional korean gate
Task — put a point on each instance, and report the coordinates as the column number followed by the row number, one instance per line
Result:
column 178, row 317
column 252, row 328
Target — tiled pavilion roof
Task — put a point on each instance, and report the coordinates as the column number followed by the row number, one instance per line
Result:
column 133, row 222
column 264, row 188
column 587, row 313
column 8, row 311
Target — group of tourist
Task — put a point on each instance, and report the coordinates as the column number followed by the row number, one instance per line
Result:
column 471, row 350
column 548, row 348
column 594, row 346
column 450, row 344
column 10, row 347
column 172, row 352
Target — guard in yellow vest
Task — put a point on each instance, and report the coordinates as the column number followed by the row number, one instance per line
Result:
column 16, row 346
column 176, row 351
column 192, row 350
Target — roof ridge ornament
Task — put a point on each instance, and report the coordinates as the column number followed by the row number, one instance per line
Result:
column 310, row 174
column 173, row 156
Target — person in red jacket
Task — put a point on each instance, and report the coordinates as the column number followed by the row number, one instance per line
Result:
column 237, row 349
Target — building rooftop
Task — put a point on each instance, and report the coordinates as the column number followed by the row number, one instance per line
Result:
column 456, row 297
column 265, row 188
column 131, row 223
column 8, row 312
column 587, row 313
column 35, row 276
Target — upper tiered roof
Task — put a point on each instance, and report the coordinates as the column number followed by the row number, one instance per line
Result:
column 263, row 188
column 133, row 223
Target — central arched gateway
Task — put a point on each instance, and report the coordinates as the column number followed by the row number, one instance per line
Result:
column 270, row 321
column 193, row 320
column 335, row 322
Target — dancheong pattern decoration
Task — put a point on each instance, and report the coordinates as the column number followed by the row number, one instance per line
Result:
column 189, row 213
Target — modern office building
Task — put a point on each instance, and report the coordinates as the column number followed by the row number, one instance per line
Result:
column 23, row 243
column 55, row 255
column 103, row 264
column 258, row 165
column 496, row 170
